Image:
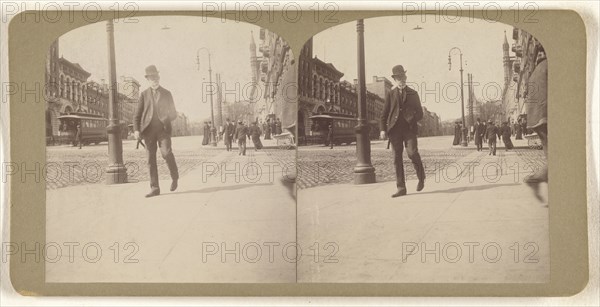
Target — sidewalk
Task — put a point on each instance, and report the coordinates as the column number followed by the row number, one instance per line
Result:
column 215, row 228
column 489, row 228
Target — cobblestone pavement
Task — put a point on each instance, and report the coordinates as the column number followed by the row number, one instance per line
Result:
column 319, row 165
column 68, row 166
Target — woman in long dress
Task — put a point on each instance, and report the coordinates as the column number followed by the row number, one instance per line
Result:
column 456, row 134
column 206, row 136
column 255, row 135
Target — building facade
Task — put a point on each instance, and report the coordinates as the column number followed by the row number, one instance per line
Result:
column 321, row 89
column 69, row 89
column 517, row 69
column 274, row 72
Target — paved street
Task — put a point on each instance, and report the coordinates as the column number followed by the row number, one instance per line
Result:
column 478, row 224
column 318, row 165
column 232, row 219
column 70, row 166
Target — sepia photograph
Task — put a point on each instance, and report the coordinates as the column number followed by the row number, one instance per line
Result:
column 170, row 146
column 422, row 153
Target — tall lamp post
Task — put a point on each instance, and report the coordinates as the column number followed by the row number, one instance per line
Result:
column 462, row 96
column 364, row 172
column 213, row 137
column 116, row 171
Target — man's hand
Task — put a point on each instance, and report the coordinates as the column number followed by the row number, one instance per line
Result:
column 136, row 135
column 382, row 135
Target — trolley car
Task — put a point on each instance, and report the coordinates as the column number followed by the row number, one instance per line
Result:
column 93, row 128
column 343, row 128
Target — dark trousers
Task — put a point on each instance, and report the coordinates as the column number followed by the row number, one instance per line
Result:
column 158, row 138
column 492, row 146
column 400, row 138
column 479, row 142
column 242, row 146
column 227, row 141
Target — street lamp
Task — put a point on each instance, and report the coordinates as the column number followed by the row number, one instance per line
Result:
column 462, row 99
column 364, row 172
column 213, row 137
column 116, row 171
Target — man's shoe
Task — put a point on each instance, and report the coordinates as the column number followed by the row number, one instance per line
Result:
column 173, row 185
column 420, row 185
column 153, row 193
column 401, row 192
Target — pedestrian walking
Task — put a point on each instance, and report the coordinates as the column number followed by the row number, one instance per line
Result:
column 227, row 134
column 255, row 136
column 240, row 134
column 267, row 129
column 152, row 122
column 537, row 115
column 206, row 134
column 278, row 126
column 456, row 133
column 506, row 133
column 401, row 112
column 519, row 131
column 479, row 134
column 330, row 135
column 79, row 135
column 492, row 133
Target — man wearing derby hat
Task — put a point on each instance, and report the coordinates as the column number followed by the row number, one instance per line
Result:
column 401, row 112
column 492, row 132
column 152, row 122
column 240, row 134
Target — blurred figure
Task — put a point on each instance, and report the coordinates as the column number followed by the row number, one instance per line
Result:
column 537, row 115
column 330, row 135
column 506, row 133
column 206, row 132
column 492, row 133
column 456, row 134
column 255, row 135
column 79, row 135
column 278, row 126
column 518, row 131
column 228, row 131
column 479, row 134
column 240, row 134
column 267, row 129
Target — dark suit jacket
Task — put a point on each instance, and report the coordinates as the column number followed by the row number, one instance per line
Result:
column 228, row 131
column 492, row 132
column 241, row 132
column 406, row 105
column 479, row 129
column 165, row 109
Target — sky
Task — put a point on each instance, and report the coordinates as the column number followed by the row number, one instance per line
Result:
column 173, row 51
column 424, row 55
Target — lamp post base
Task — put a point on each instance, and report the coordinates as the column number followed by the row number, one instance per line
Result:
column 364, row 176
column 116, row 174
column 464, row 137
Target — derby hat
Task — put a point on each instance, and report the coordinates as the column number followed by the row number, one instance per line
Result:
column 398, row 70
column 151, row 71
